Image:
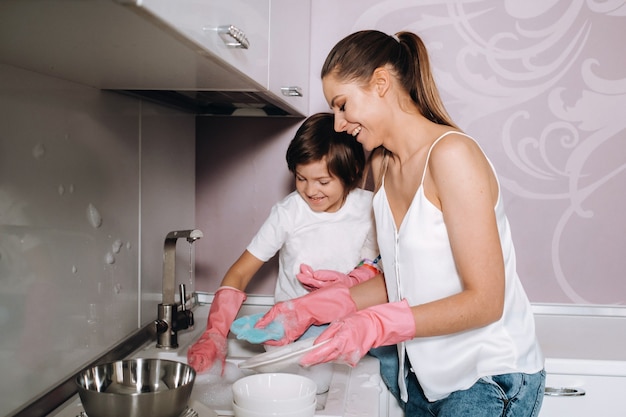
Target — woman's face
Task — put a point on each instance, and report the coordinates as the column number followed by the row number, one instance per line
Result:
column 354, row 110
column 322, row 191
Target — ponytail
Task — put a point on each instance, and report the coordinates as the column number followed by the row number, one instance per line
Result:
column 419, row 80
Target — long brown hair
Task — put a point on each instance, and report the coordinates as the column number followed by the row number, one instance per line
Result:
column 357, row 56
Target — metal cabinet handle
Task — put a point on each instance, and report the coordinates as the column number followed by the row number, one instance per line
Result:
column 564, row 392
column 291, row 91
column 233, row 37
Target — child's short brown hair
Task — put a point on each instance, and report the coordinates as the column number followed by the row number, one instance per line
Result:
column 317, row 139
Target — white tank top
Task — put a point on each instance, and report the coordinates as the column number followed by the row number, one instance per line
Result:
column 420, row 267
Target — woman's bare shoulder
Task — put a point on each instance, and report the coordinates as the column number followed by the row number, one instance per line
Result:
column 455, row 147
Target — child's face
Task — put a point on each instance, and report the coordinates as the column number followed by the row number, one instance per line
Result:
column 320, row 190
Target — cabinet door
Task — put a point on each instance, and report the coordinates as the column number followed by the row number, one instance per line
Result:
column 203, row 21
column 290, row 34
column 603, row 396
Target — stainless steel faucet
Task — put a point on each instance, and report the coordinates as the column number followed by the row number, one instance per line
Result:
column 169, row 318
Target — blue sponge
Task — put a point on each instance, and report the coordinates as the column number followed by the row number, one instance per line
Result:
column 244, row 328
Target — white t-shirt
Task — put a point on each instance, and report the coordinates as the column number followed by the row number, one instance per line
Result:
column 336, row 241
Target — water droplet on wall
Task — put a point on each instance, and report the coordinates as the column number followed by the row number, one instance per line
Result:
column 129, row 246
column 117, row 245
column 61, row 189
column 93, row 215
column 39, row 151
column 109, row 258
column 74, row 269
column 117, row 288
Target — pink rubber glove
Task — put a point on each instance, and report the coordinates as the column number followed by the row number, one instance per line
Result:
column 318, row 307
column 353, row 336
column 313, row 280
column 212, row 345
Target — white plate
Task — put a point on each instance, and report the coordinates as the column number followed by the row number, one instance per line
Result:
column 282, row 357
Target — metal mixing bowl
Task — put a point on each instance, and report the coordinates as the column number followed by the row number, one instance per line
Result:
column 136, row 388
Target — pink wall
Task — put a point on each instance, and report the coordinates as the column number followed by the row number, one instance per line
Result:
column 241, row 173
column 541, row 85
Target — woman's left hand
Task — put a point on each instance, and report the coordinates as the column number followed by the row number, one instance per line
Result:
column 353, row 336
column 318, row 307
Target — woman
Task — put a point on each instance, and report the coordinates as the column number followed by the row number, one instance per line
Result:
column 451, row 298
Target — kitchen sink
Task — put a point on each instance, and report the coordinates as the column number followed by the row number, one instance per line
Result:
column 214, row 390
column 353, row 391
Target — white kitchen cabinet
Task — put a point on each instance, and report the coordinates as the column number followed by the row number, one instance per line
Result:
column 207, row 23
column 389, row 406
column 583, row 388
column 290, row 51
column 274, row 38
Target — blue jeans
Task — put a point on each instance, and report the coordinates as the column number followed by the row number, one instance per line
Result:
column 507, row 395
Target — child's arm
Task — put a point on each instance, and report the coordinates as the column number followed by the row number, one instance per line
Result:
column 211, row 348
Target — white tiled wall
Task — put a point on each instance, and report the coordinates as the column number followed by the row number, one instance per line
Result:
column 83, row 174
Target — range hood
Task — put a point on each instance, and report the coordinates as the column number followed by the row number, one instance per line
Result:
column 214, row 103
column 121, row 45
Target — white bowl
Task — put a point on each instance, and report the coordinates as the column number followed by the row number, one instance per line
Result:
column 274, row 393
column 308, row 411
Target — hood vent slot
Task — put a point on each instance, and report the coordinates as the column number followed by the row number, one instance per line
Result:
column 220, row 103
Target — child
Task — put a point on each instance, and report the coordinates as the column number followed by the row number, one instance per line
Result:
column 326, row 223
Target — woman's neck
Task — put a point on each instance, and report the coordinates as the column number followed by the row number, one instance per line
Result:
column 411, row 135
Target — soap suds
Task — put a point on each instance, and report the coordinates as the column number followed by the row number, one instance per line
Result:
column 214, row 390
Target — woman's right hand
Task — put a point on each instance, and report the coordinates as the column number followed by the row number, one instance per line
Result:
column 353, row 336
